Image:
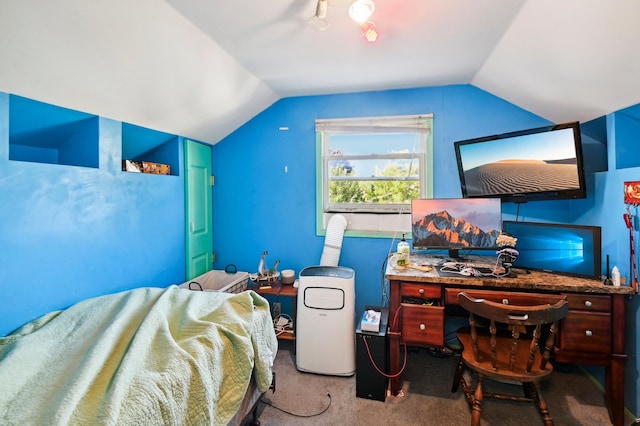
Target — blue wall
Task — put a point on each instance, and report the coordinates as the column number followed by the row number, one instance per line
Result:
column 260, row 207
column 68, row 233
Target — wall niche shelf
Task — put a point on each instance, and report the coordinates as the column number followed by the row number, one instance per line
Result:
column 627, row 128
column 140, row 144
column 595, row 145
column 45, row 133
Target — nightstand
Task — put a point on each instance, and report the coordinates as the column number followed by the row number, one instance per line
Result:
column 279, row 290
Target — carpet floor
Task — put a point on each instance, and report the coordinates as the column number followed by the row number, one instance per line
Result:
column 302, row 398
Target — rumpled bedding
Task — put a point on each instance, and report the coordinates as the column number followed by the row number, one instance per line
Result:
column 149, row 356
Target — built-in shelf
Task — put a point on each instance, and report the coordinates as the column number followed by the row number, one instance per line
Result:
column 140, row 144
column 627, row 129
column 594, row 145
column 45, row 133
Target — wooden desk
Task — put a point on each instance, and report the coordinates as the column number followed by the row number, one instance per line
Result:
column 592, row 333
column 279, row 290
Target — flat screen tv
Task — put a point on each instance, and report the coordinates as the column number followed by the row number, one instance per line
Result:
column 455, row 224
column 564, row 249
column 544, row 163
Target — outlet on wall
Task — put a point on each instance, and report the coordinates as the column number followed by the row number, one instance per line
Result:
column 276, row 309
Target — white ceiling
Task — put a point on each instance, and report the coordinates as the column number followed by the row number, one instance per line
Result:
column 202, row 68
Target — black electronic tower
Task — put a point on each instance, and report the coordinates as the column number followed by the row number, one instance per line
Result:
column 370, row 383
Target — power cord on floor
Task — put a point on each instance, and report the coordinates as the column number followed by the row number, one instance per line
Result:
column 299, row 415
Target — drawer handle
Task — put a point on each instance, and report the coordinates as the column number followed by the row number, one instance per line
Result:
column 588, row 303
column 423, row 327
column 421, row 291
column 523, row 317
column 588, row 333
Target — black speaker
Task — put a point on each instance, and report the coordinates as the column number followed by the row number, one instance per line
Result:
column 372, row 350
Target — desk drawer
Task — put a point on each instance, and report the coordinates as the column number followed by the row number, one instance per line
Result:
column 423, row 325
column 507, row 297
column 589, row 302
column 425, row 291
column 585, row 332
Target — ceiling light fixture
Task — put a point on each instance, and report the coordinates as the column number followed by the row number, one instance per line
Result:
column 369, row 31
column 361, row 10
column 319, row 20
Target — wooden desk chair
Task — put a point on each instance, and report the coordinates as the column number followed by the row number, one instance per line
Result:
column 509, row 353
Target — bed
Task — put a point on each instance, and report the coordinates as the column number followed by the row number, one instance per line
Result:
column 148, row 356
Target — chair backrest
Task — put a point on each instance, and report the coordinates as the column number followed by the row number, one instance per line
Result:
column 516, row 318
column 333, row 240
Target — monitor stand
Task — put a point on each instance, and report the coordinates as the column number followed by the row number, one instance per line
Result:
column 454, row 255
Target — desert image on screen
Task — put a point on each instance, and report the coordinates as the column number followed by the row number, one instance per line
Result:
column 533, row 163
column 514, row 176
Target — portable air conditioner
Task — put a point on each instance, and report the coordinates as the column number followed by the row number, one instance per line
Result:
column 325, row 340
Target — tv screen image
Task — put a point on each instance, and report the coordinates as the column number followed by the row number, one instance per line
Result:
column 455, row 223
column 565, row 249
column 533, row 164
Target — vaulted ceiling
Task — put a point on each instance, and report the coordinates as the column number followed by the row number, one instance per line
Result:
column 202, row 68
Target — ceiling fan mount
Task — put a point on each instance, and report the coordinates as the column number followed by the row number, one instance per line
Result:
column 340, row 3
column 360, row 11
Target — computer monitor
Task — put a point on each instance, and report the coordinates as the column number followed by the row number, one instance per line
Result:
column 455, row 224
column 560, row 248
column 544, row 163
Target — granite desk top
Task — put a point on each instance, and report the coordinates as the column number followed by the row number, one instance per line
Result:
column 525, row 280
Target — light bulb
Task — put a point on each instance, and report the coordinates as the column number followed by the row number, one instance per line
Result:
column 369, row 31
column 361, row 10
column 319, row 20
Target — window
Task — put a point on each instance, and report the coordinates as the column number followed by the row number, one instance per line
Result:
column 369, row 169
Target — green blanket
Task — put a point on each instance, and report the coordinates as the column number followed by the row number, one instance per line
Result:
column 147, row 356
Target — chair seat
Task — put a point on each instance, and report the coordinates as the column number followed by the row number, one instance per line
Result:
column 503, row 348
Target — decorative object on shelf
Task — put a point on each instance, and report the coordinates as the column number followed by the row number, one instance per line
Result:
column 261, row 269
column 146, row 167
column 264, row 279
column 288, row 276
column 265, row 276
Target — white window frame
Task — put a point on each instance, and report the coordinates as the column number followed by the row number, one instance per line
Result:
column 382, row 220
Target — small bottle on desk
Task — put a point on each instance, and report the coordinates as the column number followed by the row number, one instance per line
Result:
column 403, row 252
column 615, row 276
